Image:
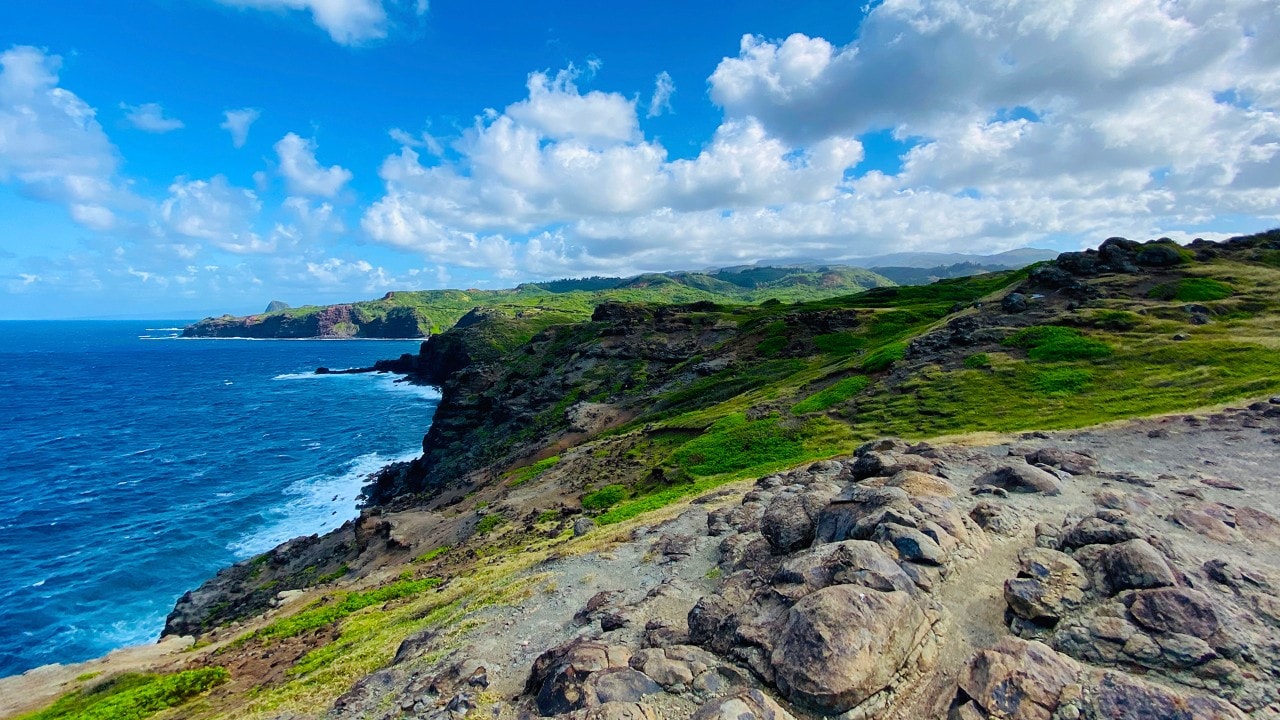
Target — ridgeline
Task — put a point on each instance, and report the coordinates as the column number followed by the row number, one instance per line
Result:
column 1037, row 493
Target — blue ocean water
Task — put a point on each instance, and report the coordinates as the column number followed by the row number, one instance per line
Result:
column 133, row 466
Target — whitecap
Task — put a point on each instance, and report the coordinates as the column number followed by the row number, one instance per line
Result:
column 316, row 504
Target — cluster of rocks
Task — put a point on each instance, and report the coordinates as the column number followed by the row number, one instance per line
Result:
column 829, row 577
column 1113, row 589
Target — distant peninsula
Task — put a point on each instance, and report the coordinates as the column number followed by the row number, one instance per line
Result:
column 418, row 314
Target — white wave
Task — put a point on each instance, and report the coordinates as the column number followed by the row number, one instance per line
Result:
column 316, row 504
column 301, row 376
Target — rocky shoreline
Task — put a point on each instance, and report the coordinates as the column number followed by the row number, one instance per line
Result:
column 1124, row 570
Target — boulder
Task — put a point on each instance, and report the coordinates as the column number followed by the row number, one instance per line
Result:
column 1121, row 697
column 623, row 685
column 1020, row 477
column 1159, row 256
column 1014, row 303
column 1072, row 462
column 559, row 676
column 1175, row 610
column 850, row 562
column 1096, row 531
column 843, row 644
column 1018, row 679
column 788, row 521
column 917, row 484
column 910, row 543
column 996, row 518
column 745, row 705
column 1136, row 565
column 617, row 711
column 1048, row 586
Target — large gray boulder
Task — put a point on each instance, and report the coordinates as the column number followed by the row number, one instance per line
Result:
column 843, row 644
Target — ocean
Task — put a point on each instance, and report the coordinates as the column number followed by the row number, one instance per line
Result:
column 134, row 465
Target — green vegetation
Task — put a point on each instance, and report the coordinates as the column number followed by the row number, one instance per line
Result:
column 1194, row 289
column 321, row 614
column 771, row 346
column 489, row 523
column 736, row 443
column 1119, row 320
column 881, row 358
column 520, row 476
column 1057, row 343
column 1061, row 381
column 133, row 696
column 837, row 393
column 978, row 361
column 432, row 554
column 570, row 300
column 330, row 577
column 604, row 498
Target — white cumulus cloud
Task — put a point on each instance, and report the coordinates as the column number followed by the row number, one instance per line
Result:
column 348, row 22
column 51, row 144
column 663, row 88
column 150, row 117
column 238, row 122
column 303, row 173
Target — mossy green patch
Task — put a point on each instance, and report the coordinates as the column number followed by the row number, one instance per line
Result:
column 1192, row 289
column 882, row 358
column 344, row 604
column 838, row 392
column 133, row 696
column 1057, row 343
column 489, row 523
column 1061, row 381
column 604, row 498
column 735, row 443
column 520, row 476
column 432, row 554
column 978, row 361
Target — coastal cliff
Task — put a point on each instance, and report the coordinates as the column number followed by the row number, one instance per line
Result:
column 419, row 313
column 709, row 510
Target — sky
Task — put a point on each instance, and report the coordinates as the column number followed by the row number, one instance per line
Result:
column 185, row 158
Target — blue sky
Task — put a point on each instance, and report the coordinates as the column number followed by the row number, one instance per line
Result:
column 188, row 157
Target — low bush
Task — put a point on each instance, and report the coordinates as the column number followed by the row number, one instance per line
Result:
column 604, row 498
column 978, row 361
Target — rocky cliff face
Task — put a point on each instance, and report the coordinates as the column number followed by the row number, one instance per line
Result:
column 1114, row 571
column 332, row 321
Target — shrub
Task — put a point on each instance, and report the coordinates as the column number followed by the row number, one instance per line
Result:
column 978, row 361
column 604, row 498
column 1054, row 342
column 882, row 358
column 1191, row 290
column 837, row 393
column 489, row 523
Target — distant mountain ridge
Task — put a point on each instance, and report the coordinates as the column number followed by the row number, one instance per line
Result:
column 413, row 314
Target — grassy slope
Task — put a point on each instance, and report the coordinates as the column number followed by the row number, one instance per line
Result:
column 791, row 395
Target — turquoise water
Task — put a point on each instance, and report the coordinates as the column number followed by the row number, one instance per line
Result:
column 134, row 465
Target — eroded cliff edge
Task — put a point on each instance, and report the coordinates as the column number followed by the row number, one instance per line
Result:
column 1121, row 571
